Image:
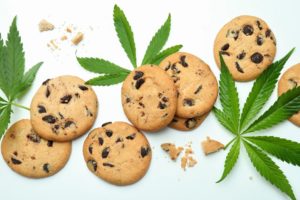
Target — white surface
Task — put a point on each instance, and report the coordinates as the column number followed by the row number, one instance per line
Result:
column 194, row 24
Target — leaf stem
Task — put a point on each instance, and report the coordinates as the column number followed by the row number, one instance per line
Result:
column 20, row 106
column 231, row 141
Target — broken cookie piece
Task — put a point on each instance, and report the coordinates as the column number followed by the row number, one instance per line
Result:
column 77, row 38
column 44, row 25
column 210, row 146
column 173, row 151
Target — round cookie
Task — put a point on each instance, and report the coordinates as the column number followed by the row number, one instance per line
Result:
column 247, row 45
column 289, row 80
column 149, row 98
column 30, row 155
column 63, row 109
column 197, row 86
column 183, row 124
column 118, row 153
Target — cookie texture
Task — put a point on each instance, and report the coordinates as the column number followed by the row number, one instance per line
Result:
column 247, row 45
column 149, row 98
column 28, row 154
column 187, row 124
column 197, row 87
column 118, row 153
column 289, row 80
column 63, row 109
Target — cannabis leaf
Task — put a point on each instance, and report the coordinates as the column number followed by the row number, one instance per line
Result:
column 258, row 147
column 13, row 82
column 112, row 73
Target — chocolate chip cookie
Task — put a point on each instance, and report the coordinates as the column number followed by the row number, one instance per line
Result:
column 118, row 153
column 149, row 98
column 184, row 124
column 63, row 109
column 247, row 45
column 28, row 154
column 289, row 80
column 197, row 87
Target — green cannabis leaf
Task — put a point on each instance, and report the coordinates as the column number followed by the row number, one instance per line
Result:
column 13, row 82
column 112, row 73
column 258, row 147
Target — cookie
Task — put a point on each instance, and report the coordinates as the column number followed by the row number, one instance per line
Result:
column 184, row 124
column 28, row 154
column 247, row 45
column 63, row 109
column 118, row 153
column 289, row 80
column 149, row 98
column 197, row 87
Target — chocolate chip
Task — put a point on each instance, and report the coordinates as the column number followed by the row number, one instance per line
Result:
column 139, row 83
column 105, row 152
column 83, row 88
column 174, row 120
column 168, row 67
column 92, row 165
column 109, row 133
column 119, row 140
column 198, row 89
column 238, row 67
column 91, row 149
column 182, row 61
column 190, row 123
column 49, row 118
column 46, row 167
column 56, row 126
column 257, row 58
column 66, row 99
column 41, row 109
column 100, row 140
column 188, row 102
column 61, row 115
column 15, row 153
column 50, row 143
column 77, row 95
column 144, row 151
column 259, row 25
column 141, row 104
column 88, row 112
column 46, row 81
column 268, row 33
column 68, row 124
column 48, row 92
column 165, row 99
column 225, row 53
column 106, row 123
column 175, row 69
column 34, row 138
column 131, row 137
column 225, row 47
column 259, row 40
column 236, row 35
column 248, row 29
column 138, row 75
column 15, row 161
column 162, row 105
column 293, row 82
column 128, row 99
column 108, row 165
column 241, row 55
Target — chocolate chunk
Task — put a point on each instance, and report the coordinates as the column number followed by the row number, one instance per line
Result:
column 109, row 133
column 175, row 69
column 236, row 35
column 119, row 140
column 56, row 126
column 188, row 102
column 68, row 124
column 131, row 137
column 165, row 99
column 34, row 137
column 101, row 141
column 257, row 58
column 190, row 123
column 225, row 47
column 106, row 123
column 46, row 167
column 48, row 92
column 248, row 29
column 183, row 62
column 83, row 88
column 144, row 151
column 91, row 149
column 238, row 67
column 108, row 165
column 46, row 81
column 141, row 104
column 259, row 40
column 15, row 153
column 168, row 67
column 225, row 53
column 198, row 89
column 162, row 105
column 174, row 120
column 138, row 75
column 41, row 109
column 241, row 55
column 259, row 25
column 139, row 83
column 49, row 118
column 50, row 143
column 92, row 165
column 88, row 112
column 61, row 115
column 128, row 99
column 268, row 33
column 77, row 95
column 66, row 99
column 105, row 152
column 15, row 161
column 293, row 82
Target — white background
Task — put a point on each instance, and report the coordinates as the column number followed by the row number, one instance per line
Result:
column 194, row 24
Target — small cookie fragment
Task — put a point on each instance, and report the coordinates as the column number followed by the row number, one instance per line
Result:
column 210, row 146
column 172, row 150
column 44, row 25
column 187, row 160
column 77, row 38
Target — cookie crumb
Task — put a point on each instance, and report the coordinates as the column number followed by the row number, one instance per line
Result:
column 69, row 29
column 210, row 146
column 183, row 162
column 78, row 38
column 64, row 37
column 173, row 151
column 44, row 25
column 52, row 44
column 192, row 162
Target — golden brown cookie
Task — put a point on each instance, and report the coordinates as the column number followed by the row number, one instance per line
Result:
column 118, row 153
column 197, row 86
column 30, row 155
column 183, row 124
column 247, row 45
column 289, row 80
column 63, row 109
column 149, row 98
